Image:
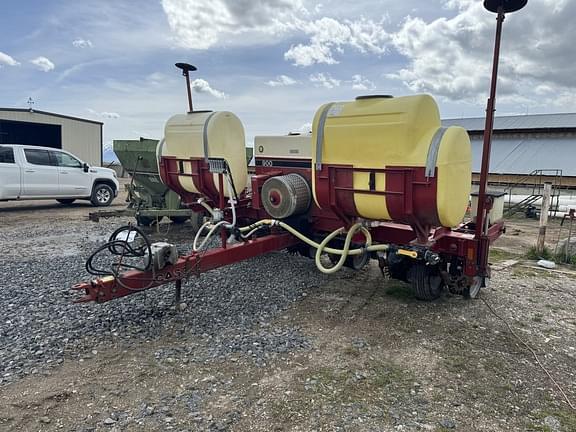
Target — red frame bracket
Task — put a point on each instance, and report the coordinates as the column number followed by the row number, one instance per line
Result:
column 107, row 288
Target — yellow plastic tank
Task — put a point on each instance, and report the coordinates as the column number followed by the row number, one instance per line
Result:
column 385, row 132
column 218, row 134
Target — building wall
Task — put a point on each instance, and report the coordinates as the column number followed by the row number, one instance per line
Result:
column 81, row 138
column 522, row 153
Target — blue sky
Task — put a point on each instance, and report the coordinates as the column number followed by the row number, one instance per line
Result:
column 274, row 62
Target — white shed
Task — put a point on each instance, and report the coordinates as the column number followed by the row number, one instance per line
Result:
column 79, row 136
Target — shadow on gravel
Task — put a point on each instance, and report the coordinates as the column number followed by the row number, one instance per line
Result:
column 22, row 208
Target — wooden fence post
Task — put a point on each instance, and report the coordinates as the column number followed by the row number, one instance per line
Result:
column 545, row 209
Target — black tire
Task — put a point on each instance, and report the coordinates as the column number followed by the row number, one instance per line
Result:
column 178, row 220
column 426, row 281
column 145, row 220
column 66, row 201
column 398, row 267
column 102, row 195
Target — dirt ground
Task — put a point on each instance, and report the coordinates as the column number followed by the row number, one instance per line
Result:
column 377, row 359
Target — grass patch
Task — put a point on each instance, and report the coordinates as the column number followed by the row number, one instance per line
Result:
column 527, row 272
column 342, row 386
column 566, row 417
column 524, row 272
column 391, row 375
column 399, row 290
column 562, row 258
column 501, row 254
column 546, row 254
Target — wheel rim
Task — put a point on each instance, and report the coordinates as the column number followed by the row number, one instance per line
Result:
column 475, row 286
column 359, row 261
column 103, row 196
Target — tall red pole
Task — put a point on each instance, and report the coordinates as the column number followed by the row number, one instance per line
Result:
column 481, row 233
column 488, row 128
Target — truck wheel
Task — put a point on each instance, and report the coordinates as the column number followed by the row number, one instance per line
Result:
column 178, row 220
column 102, row 195
column 426, row 281
column 66, row 201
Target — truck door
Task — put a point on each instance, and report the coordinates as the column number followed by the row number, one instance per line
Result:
column 74, row 182
column 10, row 176
column 40, row 174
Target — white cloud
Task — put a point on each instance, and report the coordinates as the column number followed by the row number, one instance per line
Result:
column 108, row 146
column 104, row 114
column 160, row 80
column 451, row 57
column 82, row 43
column 5, row 59
column 361, row 83
column 305, row 128
column 200, row 24
column 110, row 115
column 324, row 80
column 307, row 55
column 202, row 86
column 328, row 35
column 203, row 24
column 43, row 64
column 281, row 80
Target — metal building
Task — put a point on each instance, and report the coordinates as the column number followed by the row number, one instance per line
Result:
column 523, row 144
column 80, row 137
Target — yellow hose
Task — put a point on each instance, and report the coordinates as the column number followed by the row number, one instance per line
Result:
column 321, row 247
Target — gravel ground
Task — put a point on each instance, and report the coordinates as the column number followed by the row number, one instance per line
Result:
column 273, row 345
column 41, row 326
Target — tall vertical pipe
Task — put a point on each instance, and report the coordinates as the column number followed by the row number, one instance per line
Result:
column 186, row 69
column 187, row 74
column 488, row 128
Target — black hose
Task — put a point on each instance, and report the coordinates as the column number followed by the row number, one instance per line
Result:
column 229, row 173
column 123, row 249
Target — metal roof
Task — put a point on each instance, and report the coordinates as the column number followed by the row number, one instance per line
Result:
column 524, row 155
column 518, row 122
column 50, row 114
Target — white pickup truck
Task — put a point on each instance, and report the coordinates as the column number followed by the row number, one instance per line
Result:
column 31, row 172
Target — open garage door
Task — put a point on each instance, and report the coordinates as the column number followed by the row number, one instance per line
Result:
column 28, row 133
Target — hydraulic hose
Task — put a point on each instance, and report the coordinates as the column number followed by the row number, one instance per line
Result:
column 214, row 227
column 322, row 247
column 202, row 202
column 345, row 251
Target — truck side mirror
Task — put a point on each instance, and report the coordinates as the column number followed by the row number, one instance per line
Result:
column 85, row 167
